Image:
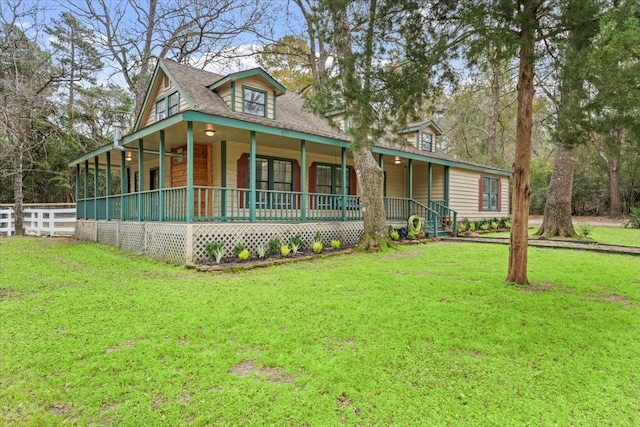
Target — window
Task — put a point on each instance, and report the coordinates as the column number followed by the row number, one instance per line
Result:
column 490, row 194
column 254, row 101
column 174, row 103
column 426, row 141
column 161, row 109
column 329, row 181
column 329, row 177
column 276, row 175
column 154, row 179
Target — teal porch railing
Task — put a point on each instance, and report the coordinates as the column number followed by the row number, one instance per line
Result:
column 447, row 217
column 234, row 204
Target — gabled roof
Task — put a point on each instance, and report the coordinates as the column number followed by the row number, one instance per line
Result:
column 249, row 73
column 411, row 127
column 195, row 85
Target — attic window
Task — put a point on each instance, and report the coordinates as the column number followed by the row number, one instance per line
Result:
column 254, row 101
column 426, row 141
column 174, row 103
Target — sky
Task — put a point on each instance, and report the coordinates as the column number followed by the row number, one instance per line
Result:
column 51, row 9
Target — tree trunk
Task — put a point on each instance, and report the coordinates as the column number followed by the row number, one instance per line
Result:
column 492, row 142
column 18, row 197
column 557, row 210
column 615, row 207
column 522, row 166
column 370, row 181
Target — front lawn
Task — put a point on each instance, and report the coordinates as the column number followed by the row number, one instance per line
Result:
column 604, row 235
column 425, row 335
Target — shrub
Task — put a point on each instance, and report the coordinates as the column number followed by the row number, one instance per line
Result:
column 484, row 226
column 243, row 255
column 335, row 244
column 584, row 230
column 239, row 247
column 216, row 251
column 262, row 251
column 317, row 246
column 284, row 250
column 472, row 226
column 634, row 219
column 294, row 248
column 317, row 237
column 394, row 235
column 411, row 235
column 461, row 228
column 494, row 225
column 506, row 223
column 274, row 245
column 297, row 240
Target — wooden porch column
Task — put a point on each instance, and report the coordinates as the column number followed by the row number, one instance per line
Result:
column 223, row 179
column 77, row 189
column 86, row 188
column 123, row 182
column 252, row 177
column 410, row 177
column 96, row 188
column 161, row 165
column 429, row 176
column 384, row 181
column 140, row 178
column 190, row 198
column 108, row 183
column 446, row 186
column 343, row 181
column 303, row 180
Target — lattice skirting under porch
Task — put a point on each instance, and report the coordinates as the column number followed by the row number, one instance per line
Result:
column 180, row 243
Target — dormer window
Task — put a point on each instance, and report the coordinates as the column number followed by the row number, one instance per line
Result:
column 254, row 101
column 426, row 141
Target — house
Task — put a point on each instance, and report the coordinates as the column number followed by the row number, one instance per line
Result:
column 236, row 158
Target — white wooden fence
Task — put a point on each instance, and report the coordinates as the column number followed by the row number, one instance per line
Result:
column 40, row 221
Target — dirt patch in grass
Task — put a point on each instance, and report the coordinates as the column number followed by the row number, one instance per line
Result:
column 248, row 368
column 128, row 344
column 615, row 298
column 60, row 408
column 537, row 287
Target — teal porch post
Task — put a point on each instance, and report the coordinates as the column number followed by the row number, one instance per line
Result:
column 384, row 181
column 446, row 186
column 161, row 165
column 108, row 184
column 410, row 178
column 77, row 190
column 223, row 179
column 343, row 181
column 429, row 176
column 303, row 180
column 252, row 176
column 96, row 188
column 86, row 188
column 140, row 178
column 190, row 198
column 123, row 183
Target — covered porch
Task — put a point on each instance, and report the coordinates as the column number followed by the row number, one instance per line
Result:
column 194, row 168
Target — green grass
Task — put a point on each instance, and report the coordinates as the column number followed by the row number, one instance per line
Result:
column 425, row 335
column 605, row 235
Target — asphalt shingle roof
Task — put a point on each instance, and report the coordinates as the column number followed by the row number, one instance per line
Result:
column 291, row 114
